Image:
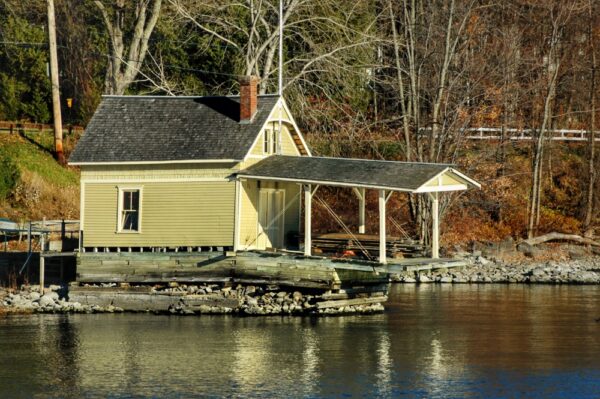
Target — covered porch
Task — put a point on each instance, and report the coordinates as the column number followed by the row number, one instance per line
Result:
column 308, row 174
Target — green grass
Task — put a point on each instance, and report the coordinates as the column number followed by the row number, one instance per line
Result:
column 30, row 157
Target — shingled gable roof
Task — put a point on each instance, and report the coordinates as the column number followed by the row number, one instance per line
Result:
column 395, row 176
column 148, row 129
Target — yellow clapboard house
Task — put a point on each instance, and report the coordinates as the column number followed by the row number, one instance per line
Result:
column 227, row 173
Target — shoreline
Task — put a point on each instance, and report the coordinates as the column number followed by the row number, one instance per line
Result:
column 183, row 299
column 585, row 270
column 256, row 300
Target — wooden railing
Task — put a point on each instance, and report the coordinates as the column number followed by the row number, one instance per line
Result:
column 512, row 134
column 16, row 127
column 493, row 133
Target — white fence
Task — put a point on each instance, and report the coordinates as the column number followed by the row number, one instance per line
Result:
column 495, row 133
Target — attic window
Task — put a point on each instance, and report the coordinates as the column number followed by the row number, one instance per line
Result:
column 129, row 210
column 270, row 141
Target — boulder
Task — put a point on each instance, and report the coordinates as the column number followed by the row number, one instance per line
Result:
column 297, row 296
column 577, row 253
column 34, row 296
column 483, row 261
column 47, row 300
column 585, row 277
column 538, row 272
column 528, row 250
column 251, row 301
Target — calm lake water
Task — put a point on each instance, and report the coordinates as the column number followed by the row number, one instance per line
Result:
column 433, row 341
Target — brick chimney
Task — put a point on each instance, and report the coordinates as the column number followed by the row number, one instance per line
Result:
column 248, row 98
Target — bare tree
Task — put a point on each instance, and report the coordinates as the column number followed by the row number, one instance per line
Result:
column 435, row 78
column 557, row 15
column 319, row 31
column 591, row 192
column 126, row 59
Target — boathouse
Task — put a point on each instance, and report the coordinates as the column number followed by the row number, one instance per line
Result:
column 230, row 173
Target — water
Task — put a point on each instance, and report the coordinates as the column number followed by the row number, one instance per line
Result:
column 433, row 342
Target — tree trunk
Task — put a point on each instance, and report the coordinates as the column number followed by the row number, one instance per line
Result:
column 589, row 209
column 561, row 236
column 536, row 181
column 123, row 69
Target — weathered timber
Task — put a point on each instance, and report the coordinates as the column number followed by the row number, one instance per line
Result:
column 357, row 292
column 153, row 267
column 351, row 302
column 427, row 264
column 340, row 242
column 186, row 267
column 247, row 267
column 554, row 236
column 141, row 300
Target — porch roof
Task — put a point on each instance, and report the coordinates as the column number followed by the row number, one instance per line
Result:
column 410, row 177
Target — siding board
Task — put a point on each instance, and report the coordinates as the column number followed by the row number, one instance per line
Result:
column 173, row 214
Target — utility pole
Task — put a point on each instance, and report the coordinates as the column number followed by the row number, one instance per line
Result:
column 280, row 80
column 280, row 83
column 58, row 145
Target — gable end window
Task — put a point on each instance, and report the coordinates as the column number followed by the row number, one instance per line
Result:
column 266, row 141
column 271, row 139
column 129, row 210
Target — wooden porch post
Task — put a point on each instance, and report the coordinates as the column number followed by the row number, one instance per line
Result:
column 361, row 211
column 382, row 234
column 237, row 216
column 360, row 193
column 42, row 273
column 307, row 219
column 435, row 226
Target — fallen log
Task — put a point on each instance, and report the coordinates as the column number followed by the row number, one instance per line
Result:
column 554, row 236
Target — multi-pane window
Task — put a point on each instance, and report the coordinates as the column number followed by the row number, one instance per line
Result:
column 267, row 142
column 270, row 141
column 130, row 210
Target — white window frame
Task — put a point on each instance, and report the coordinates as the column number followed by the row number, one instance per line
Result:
column 121, row 191
column 271, row 140
column 266, row 142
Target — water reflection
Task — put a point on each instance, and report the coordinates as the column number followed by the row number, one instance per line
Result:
column 385, row 365
column 434, row 341
column 310, row 361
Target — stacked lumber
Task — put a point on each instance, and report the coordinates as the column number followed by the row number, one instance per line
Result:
column 341, row 243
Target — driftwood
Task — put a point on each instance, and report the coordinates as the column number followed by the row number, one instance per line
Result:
column 561, row 236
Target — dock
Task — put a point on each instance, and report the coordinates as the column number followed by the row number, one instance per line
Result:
column 285, row 269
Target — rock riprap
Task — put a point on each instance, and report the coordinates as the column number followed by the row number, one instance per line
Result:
column 579, row 271
column 187, row 300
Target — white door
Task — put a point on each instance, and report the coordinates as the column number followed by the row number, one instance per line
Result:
column 270, row 219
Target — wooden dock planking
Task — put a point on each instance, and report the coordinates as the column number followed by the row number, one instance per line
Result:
column 246, row 267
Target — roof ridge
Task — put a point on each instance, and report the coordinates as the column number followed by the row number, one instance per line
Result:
column 379, row 160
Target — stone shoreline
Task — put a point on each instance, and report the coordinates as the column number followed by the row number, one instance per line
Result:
column 183, row 300
column 251, row 300
column 580, row 271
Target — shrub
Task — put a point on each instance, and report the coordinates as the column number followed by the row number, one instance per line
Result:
column 9, row 175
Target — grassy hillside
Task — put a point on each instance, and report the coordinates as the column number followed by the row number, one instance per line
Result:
column 32, row 184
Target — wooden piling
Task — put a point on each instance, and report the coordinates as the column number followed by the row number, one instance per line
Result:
column 42, row 273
